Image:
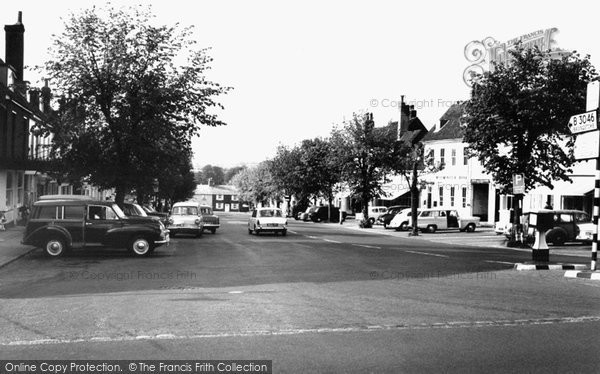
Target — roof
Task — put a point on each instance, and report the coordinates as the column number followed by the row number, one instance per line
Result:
column 204, row 189
column 450, row 123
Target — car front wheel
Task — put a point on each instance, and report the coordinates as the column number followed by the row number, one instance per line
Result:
column 431, row 228
column 470, row 227
column 55, row 247
column 140, row 246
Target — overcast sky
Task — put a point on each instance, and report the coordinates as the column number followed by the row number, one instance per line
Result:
column 298, row 68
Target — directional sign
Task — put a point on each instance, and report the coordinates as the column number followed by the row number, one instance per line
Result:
column 587, row 145
column 583, row 122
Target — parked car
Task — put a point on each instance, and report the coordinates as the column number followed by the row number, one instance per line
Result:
column 154, row 213
column 59, row 224
column 568, row 226
column 186, row 218
column 321, row 213
column 431, row 220
column 401, row 221
column 211, row 220
column 135, row 210
column 304, row 216
column 385, row 218
column 267, row 220
column 375, row 212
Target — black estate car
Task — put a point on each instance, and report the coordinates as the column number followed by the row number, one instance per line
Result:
column 58, row 225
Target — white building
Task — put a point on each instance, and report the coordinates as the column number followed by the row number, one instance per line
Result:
column 464, row 185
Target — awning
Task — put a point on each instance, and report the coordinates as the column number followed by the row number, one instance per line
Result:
column 394, row 194
column 579, row 187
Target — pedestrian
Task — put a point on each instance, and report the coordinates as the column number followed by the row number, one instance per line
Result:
column 548, row 205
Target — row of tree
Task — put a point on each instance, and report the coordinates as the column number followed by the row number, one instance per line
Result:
column 357, row 157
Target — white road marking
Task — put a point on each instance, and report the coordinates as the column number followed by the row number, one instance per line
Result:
column 500, row 262
column 321, row 330
column 427, row 254
column 366, row 246
column 332, row 241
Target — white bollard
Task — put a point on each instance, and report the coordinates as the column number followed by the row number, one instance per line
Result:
column 540, row 240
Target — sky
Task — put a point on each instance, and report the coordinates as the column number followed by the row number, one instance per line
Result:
column 298, row 68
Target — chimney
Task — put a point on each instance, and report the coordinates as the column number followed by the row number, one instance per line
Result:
column 46, row 96
column 34, row 99
column 14, row 46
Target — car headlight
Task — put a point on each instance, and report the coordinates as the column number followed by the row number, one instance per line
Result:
column 198, row 221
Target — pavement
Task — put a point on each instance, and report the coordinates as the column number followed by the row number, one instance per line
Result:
column 11, row 248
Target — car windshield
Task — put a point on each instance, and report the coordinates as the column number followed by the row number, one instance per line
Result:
column 185, row 211
column 269, row 213
column 205, row 210
column 118, row 210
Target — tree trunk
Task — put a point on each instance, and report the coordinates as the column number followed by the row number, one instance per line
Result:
column 120, row 192
column 414, row 200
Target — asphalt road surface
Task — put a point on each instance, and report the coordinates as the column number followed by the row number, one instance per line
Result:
column 325, row 298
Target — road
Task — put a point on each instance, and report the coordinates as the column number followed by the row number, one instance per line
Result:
column 325, row 298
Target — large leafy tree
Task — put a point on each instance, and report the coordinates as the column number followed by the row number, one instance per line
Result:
column 366, row 156
column 127, row 104
column 516, row 119
column 255, row 184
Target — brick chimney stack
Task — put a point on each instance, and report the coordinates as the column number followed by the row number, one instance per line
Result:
column 46, row 96
column 15, row 46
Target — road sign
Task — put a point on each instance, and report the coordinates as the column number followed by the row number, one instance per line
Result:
column 587, row 145
column 518, row 184
column 583, row 122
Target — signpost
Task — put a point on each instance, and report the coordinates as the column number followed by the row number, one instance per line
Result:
column 587, row 146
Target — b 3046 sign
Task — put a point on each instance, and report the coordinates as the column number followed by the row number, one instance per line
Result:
column 583, row 122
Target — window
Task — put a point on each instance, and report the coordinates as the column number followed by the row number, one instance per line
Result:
column 453, row 157
column 269, row 213
column 425, row 213
column 465, row 157
column 452, row 196
column 441, row 196
column 220, row 205
column 185, row 211
column 73, row 212
column 9, row 189
column 442, row 213
column 234, row 198
column 20, row 193
column 235, row 206
column 47, row 212
column 101, row 213
column 464, row 197
column 442, row 156
column 219, row 197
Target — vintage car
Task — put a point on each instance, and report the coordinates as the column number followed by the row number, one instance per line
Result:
column 321, row 213
column 150, row 211
column 58, row 224
column 431, row 220
column 267, row 220
column 186, row 218
column 135, row 210
column 211, row 220
column 568, row 225
column 401, row 221
column 387, row 217
column 375, row 212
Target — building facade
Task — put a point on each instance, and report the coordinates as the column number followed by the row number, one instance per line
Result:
column 464, row 185
column 221, row 198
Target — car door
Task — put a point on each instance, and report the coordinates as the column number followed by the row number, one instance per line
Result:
column 441, row 220
column 98, row 221
column 73, row 220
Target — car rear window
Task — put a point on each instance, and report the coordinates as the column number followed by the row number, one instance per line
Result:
column 269, row 213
